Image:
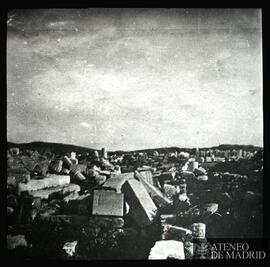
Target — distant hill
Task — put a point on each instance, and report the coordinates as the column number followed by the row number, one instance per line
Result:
column 250, row 148
column 42, row 147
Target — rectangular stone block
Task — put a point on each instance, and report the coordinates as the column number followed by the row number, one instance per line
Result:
column 52, row 181
column 167, row 249
column 147, row 176
column 71, row 196
column 154, row 193
column 145, row 168
column 125, row 176
column 116, row 181
column 63, row 190
column 167, row 219
column 108, row 203
column 142, row 207
column 175, row 232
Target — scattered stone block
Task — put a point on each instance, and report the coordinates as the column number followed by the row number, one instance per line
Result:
column 117, row 169
column 167, row 219
column 188, row 175
column 70, row 188
column 170, row 190
column 28, row 163
column 142, row 207
column 193, row 165
column 56, row 166
column 71, row 196
column 116, row 181
column 171, row 232
column 200, row 171
column 100, row 179
column 42, row 168
column 91, row 173
column 189, row 249
column 16, row 241
column 62, row 190
column 74, row 161
column 208, row 209
column 183, row 198
column 65, row 171
column 78, row 176
column 52, row 181
column 198, row 230
column 167, row 249
column 77, row 167
column 147, row 176
column 66, row 161
column 124, row 176
column 159, row 199
column 144, row 168
column 108, row 203
column 202, row 178
column 69, row 247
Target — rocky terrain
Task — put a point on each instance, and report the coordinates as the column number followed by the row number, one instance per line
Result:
column 67, row 202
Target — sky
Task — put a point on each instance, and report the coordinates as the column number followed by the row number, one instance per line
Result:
column 129, row 79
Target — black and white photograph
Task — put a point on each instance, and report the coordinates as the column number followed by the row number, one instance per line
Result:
column 134, row 134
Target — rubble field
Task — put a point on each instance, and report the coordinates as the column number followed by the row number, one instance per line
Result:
column 88, row 206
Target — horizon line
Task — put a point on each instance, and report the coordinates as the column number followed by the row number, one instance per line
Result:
column 116, row 150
